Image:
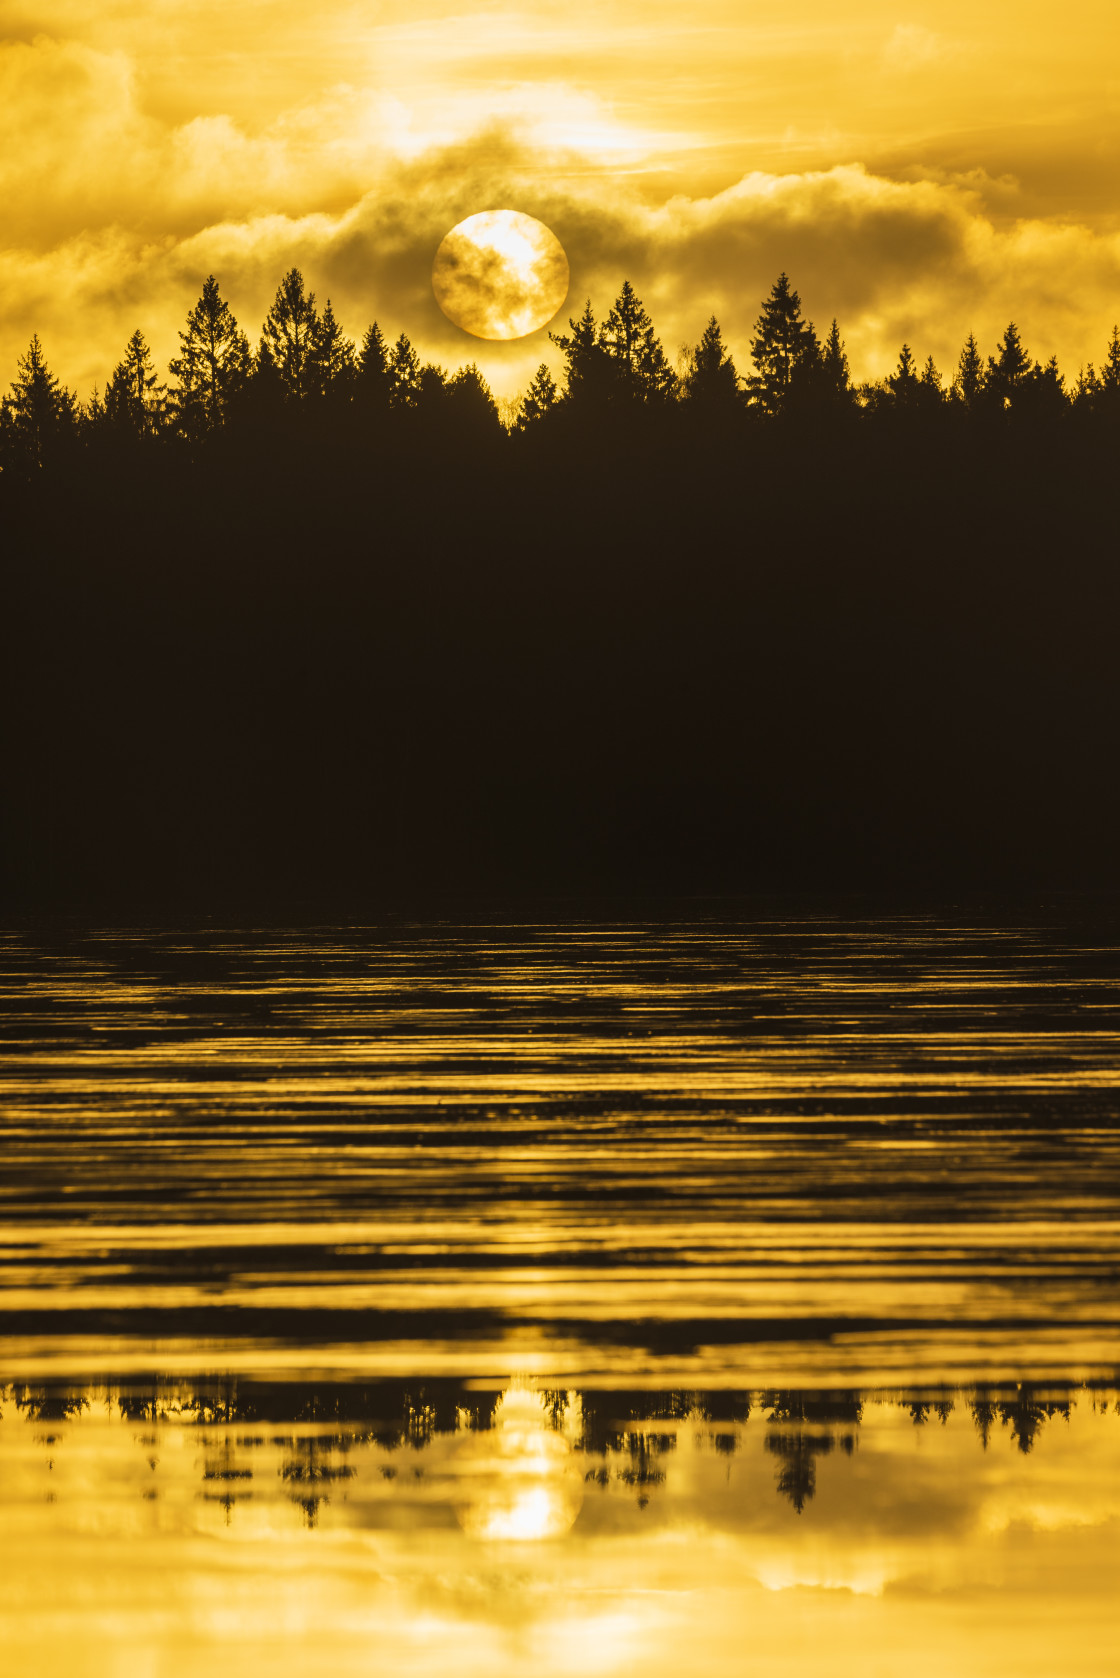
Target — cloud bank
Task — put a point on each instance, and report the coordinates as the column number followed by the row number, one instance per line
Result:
column 116, row 208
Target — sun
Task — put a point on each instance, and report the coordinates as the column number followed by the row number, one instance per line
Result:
column 500, row 274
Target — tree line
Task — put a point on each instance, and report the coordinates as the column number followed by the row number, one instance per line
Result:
column 307, row 374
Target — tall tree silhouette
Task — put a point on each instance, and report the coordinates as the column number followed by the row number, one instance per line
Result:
column 587, row 366
column 638, row 360
column 835, row 374
column 472, row 401
column 39, row 414
column 1110, row 375
column 710, row 381
column 968, row 386
column 903, row 383
column 134, row 398
column 540, row 398
column 404, row 375
column 371, row 384
column 930, row 380
column 784, row 343
column 213, row 364
column 336, row 363
column 291, row 336
column 1009, row 369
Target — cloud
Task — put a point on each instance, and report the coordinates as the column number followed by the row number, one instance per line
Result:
column 118, row 202
column 893, row 260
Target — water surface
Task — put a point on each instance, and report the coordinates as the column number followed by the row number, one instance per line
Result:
column 596, row 1295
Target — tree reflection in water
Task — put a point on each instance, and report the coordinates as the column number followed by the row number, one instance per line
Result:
column 533, row 1451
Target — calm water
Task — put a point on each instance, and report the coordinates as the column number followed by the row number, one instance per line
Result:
column 595, row 1297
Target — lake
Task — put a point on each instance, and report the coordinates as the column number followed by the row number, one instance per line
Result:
column 713, row 1292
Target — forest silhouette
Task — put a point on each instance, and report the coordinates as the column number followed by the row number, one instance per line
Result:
column 317, row 619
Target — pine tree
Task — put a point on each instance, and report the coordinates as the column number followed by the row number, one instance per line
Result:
column 39, row 413
column 588, row 369
column 539, row 400
column 641, row 369
column 473, row 401
column 1110, row 374
column 710, row 379
column 134, row 397
column 1009, row 369
column 904, row 382
column 784, row 342
column 336, row 364
column 1087, row 390
column 431, row 387
column 404, row 375
column 969, row 384
column 1043, row 392
column 371, row 384
column 291, row 336
column 835, row 374
column 930, row 377
column 213, row 364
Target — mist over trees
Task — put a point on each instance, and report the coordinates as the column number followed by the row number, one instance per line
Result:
column 307, row 377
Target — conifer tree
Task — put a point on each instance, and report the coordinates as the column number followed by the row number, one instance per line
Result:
column 1110, row 374
column 404, row 375
column 904, row 382
column 1044, row 392
column 291, row 336
column 213, row 364
column 930, row 377
column 134, row 397
column 784, row 342
column 540, row 399
column 1087, row 390
column 432, row 387
column 968, row 386
column 710, row 379
column 336, row 364
column 588, row 370
column 265, row 391
column 835, row 374
column 39, row 413
column 1009, row 369
column 472, row 399
column 371, row 383
column 641, row 369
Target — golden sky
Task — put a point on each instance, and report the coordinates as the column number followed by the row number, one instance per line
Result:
column 921, row 170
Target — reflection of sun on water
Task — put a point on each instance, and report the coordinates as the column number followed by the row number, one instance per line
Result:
column 519, row 1479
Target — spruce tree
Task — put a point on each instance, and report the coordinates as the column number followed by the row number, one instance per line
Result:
column 1110, row 375
column 904, row 382
column 968, row 386
column 641, row 369
column 404, row 375
column 291, row 336
column 710, row 380
column 539, row 400
column 471, row 398
column 835, row 374
column 213, row 364
column 134, row 398
column 1043, row 392
column 588, row 369
column 371, row 383
column 1009, row 369
column 784, row 342
column 336, row 364
column 39, row 413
